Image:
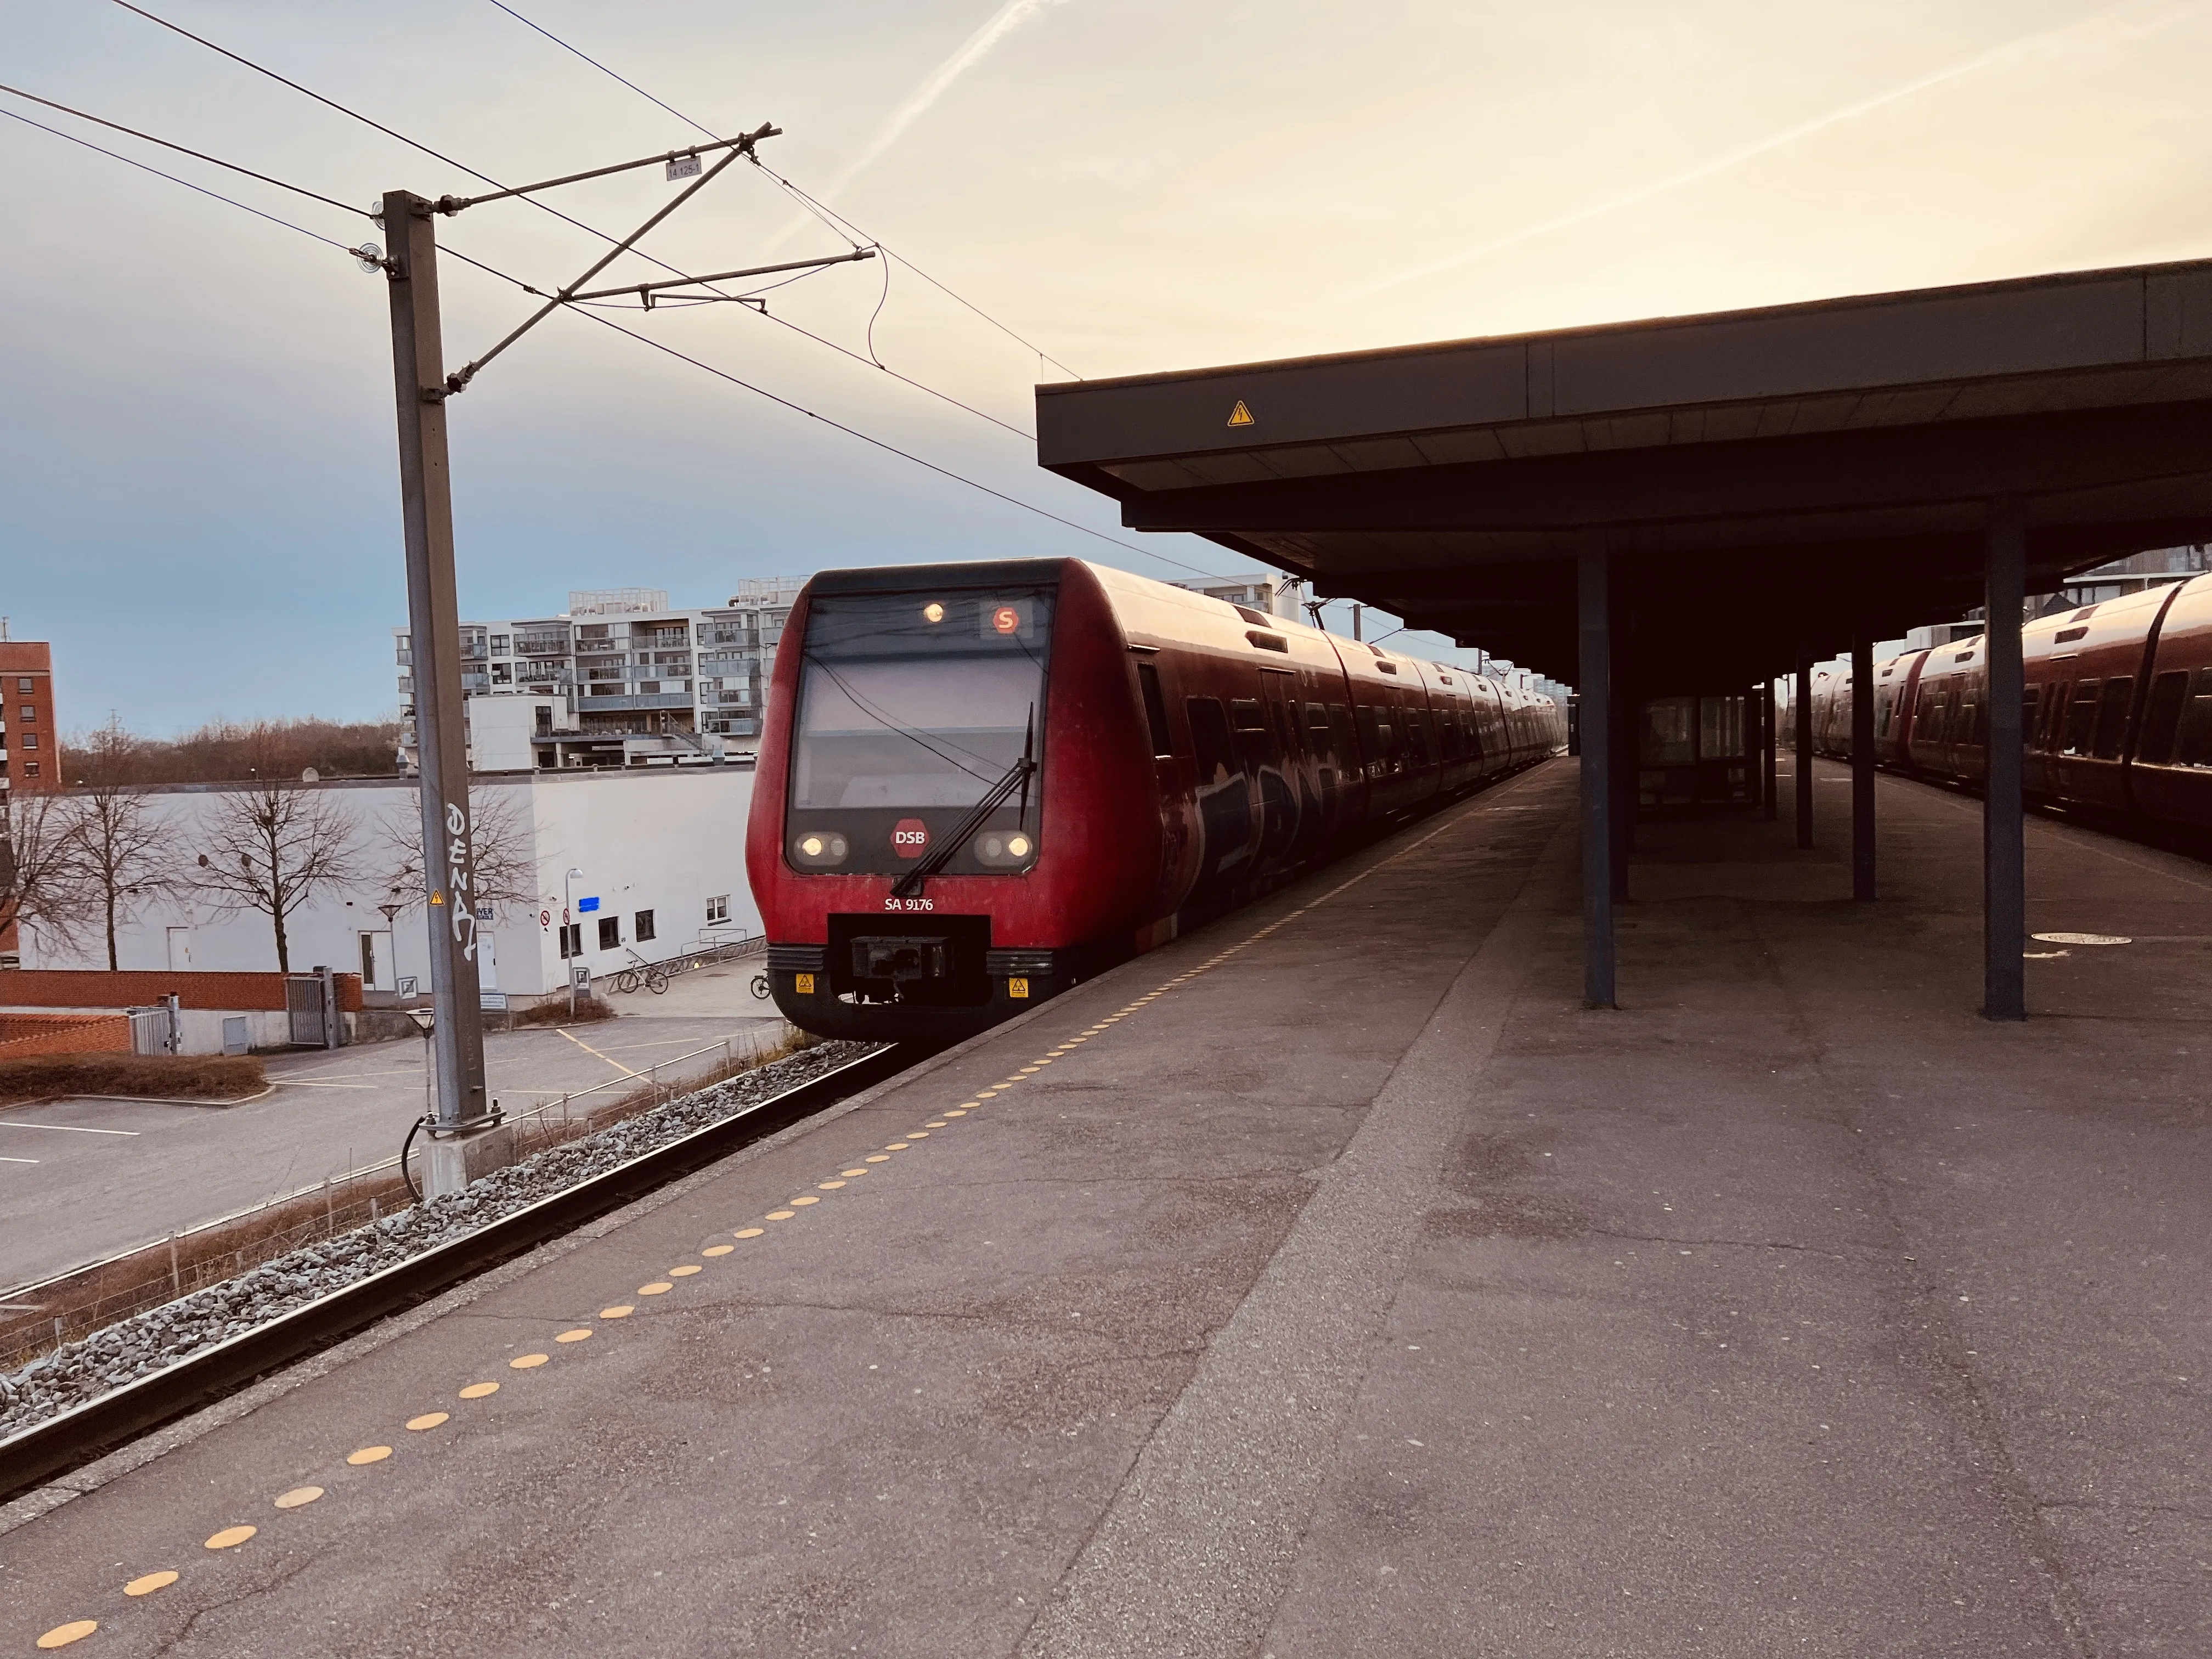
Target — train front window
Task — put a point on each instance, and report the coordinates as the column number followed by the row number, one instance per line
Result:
column 912, row 707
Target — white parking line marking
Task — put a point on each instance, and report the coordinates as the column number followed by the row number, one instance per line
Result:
column 75, row 1129
column 18, row 1160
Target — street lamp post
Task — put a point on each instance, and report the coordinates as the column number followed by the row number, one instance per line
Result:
column 567, row 908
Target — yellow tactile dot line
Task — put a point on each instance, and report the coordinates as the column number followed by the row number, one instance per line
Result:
column 298, row 1497
column 749, row 1232
column 230, row 1538
column 428, row 1420
column 659, row 1287
column 849, row 1174
column 685, row 1271
column 577, row 1335
column 829, row 1186
column 368, row 1455
column 62, row 1634
column 934, row 1123
column 150, row 1583
column 479, row 1391
column 620, row 1310
column 718, row 1249
column 780, row 1215
column 803, row 1199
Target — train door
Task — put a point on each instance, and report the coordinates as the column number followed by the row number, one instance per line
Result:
column 1275, row 764
column 1224, row 799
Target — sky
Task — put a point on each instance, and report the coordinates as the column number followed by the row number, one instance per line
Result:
column 198, row 502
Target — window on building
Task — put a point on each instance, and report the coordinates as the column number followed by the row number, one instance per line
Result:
column 718, row 909
column 644, row 928
column 27, row 714
column 25, row 683
column 609, row 933
column 572, row 939
column 30, row 740
column 30, row 768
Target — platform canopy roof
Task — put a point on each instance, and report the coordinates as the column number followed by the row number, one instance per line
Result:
column 1759, row 476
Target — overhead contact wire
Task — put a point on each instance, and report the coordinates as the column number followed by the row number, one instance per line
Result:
column 202, row 189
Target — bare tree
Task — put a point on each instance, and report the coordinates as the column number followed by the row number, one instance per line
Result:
column 126, row 851
column 499, row 837
column 41, row 871
column 274, row 847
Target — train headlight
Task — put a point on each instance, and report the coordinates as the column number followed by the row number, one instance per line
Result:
column 932, row 612
column 820, row 847
column 1001, row 850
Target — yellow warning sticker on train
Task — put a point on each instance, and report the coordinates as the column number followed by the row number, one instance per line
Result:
column 1019, row 989
column 804, row 986
column 1241, row 416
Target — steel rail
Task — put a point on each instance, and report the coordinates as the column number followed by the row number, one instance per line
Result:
column 78, row 1436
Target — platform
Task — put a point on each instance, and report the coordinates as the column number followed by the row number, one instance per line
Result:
column 1330, row 1282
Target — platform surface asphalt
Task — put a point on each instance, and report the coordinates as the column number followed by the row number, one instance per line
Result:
column 1329, row 1283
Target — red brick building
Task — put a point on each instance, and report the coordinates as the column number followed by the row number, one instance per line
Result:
column 30, row 750
column 30, row 753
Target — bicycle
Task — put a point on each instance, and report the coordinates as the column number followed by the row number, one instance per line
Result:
column 760, row 988
column 653, row 976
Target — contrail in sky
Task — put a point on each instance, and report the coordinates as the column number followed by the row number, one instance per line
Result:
column 2044, row 44
column 1003, row 22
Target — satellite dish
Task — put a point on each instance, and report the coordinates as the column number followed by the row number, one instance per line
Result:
column 310, row 775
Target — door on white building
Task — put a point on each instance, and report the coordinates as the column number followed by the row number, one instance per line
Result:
column 487, row 963
column 376, row 961
column 180, row 950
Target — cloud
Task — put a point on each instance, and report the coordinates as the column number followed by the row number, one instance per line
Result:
column 972, row 51
column 2046, row 44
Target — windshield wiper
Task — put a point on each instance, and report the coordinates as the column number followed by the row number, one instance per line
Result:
column 1018, row 777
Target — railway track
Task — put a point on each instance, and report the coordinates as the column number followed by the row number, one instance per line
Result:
column 75, row 1437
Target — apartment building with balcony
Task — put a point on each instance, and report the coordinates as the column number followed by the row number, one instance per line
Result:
column 619, row 679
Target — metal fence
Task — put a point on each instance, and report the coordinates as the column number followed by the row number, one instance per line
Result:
column 38, row 1317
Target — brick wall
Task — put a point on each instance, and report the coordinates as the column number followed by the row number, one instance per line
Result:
column 70, row 987
column 26, row 1037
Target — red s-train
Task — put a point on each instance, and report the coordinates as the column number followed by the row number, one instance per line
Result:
column 979, row 783
column 2115, row 713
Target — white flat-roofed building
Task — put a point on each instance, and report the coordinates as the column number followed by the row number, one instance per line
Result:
column 662, row 854
column 619, row 679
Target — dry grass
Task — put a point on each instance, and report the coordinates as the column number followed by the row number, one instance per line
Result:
column 174, row 1077
column 83, row 1303
column 555, row 1013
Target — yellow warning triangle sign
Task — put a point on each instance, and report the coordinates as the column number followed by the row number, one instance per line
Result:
column 1240, row 416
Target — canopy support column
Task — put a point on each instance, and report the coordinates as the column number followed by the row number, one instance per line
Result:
column 1862, row 826
column 1771, row 797
column 1801, row 705
column 1594, row 629
column 2004, row 836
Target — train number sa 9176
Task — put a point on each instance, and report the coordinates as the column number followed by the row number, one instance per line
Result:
column 909, row 904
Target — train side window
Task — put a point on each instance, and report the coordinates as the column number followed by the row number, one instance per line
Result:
column 2162, row 720
column 2054, row 716
column 2081, row 718
column 2195, row 747
column 1928, row 724
column 1156, row 709
column 1317, row 721
column 2031, row 702
column 2112, row 716
column 1339, row 731
column 1370, row 739
column 1210, row 742
column 1245, row 714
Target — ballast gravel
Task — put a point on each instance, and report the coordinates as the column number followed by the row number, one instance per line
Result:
column 108, row 1358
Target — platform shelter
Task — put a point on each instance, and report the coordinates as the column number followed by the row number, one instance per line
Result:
column 1700, row 504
